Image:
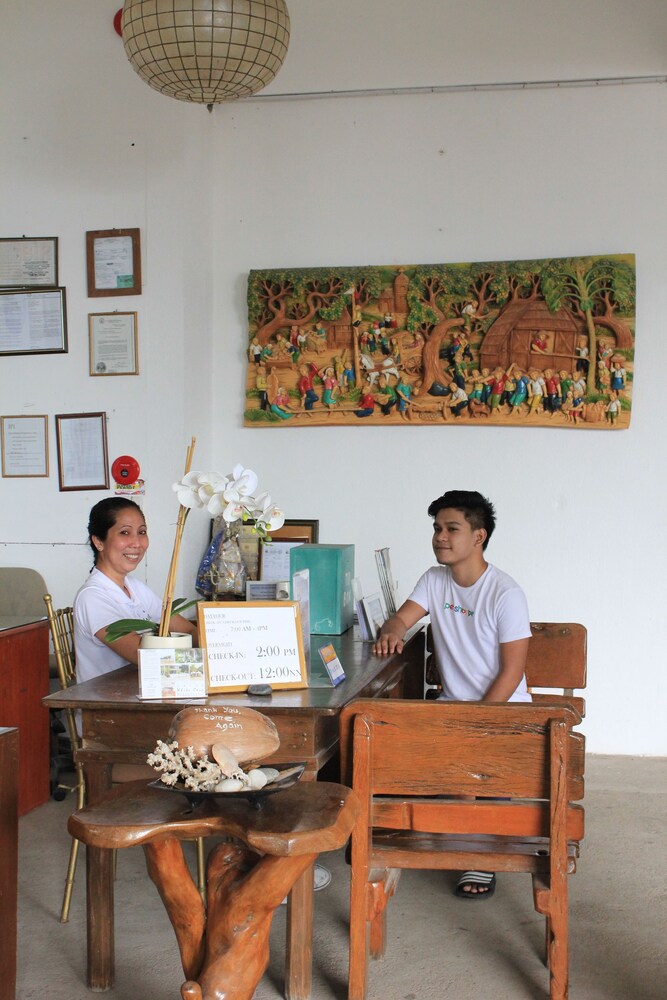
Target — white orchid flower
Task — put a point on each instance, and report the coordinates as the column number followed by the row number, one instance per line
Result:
column 210, row 485
column 241, row 483
column 235, row 511
column 267, row 514
column 187, row 490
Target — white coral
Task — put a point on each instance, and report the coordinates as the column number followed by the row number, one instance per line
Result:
column 182, row 765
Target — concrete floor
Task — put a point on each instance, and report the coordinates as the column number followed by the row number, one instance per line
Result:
column 439, row 947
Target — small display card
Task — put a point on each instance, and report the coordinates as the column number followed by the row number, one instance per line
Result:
column 332, row 664
column 171, row 673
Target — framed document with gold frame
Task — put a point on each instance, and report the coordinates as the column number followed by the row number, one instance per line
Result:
column 25, row 448
column 251, row 642
column 112, row 343
column 113, row 262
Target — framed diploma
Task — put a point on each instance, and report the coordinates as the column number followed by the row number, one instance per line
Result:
column 81, row 440
column 29, row 262
column 25, row 451
column 112, row 340
column 252, row 642
column 113, row 262
column 33, row 322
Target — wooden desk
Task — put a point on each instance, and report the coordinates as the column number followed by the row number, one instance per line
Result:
column 24, row 681
column 9, row 781
column 118, row 728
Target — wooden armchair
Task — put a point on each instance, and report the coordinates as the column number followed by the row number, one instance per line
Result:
column 555, row 667
column 524, row 764
column 61, row 624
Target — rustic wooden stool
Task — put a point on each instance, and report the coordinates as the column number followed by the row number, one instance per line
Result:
column 225, row 946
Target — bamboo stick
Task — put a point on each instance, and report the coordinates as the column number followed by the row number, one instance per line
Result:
column 173, row 566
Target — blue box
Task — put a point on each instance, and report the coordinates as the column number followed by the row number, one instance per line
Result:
column 331, row 569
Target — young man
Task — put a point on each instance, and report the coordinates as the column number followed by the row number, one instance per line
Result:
column 479, row 619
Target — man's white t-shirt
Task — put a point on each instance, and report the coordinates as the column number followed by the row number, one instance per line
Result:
column 99, row 603
column 468, row 624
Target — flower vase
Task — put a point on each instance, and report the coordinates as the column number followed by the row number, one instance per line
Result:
column 228, row 571
column 177, row 640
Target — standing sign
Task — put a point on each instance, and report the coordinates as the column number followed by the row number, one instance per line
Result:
column 252, row 642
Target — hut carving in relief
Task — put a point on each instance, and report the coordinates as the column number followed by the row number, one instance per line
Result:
column 524, row 343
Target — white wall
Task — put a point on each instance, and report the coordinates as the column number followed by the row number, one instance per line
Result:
column 400, row 179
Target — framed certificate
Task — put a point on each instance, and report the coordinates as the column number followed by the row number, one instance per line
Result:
column 112, row 343
column 113, row 262
column 251, row 642
column 81, row 440
column 33, row 322
column 29, row 262
column 25, row 451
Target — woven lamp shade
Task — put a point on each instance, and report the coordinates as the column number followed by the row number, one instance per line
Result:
column 206, row 51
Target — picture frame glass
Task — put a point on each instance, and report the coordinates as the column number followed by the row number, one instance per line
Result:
column 113, row 343
column 25, row 452
column 81, row 441
column 33, row 321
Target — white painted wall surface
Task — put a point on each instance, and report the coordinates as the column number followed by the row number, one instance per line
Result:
column 392, row 179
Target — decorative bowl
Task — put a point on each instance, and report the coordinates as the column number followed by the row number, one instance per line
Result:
column 254, row 796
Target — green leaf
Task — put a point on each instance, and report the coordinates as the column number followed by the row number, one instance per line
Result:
column 128, row 625
column 180, row 605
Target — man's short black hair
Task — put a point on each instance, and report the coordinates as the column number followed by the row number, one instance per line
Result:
column 477, row 510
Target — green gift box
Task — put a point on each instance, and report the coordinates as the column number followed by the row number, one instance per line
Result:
column 331, row 570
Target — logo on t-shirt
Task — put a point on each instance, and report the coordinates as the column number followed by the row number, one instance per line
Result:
column 457, row 609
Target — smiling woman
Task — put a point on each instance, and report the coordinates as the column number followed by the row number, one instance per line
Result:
column 118, row 537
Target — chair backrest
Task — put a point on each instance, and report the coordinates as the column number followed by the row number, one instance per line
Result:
column 557, row 659
column 61, row 624
column 21, row 591
column 418, row 749
column 555, row 666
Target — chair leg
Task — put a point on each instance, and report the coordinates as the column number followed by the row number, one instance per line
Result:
column 358, row 939
column 379, row 893
column 201, row 869
column 558, row 955
column 547, row 940
column 69, row 881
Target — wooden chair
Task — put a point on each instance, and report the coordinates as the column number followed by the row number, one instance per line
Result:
column 61, row 624
column 524, row 764
column 555, row 667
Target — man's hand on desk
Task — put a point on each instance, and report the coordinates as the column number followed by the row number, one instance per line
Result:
column 392, row 633
column 387, row 643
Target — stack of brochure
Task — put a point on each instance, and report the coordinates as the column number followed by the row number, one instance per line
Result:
column 370, row 612
column 386, row 580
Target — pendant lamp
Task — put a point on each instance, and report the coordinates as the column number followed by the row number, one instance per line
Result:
column 206, row 51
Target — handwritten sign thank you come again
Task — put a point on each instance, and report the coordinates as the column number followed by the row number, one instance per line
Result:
column 252, row 642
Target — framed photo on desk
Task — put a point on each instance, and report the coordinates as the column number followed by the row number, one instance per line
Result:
column 298, row 530
column 274, row 553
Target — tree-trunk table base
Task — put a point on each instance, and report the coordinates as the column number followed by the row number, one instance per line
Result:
column 224, row 946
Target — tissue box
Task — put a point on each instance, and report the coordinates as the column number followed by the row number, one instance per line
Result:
column 331, row 569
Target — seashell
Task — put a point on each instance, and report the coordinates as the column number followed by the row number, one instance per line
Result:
column 271, row 773
column 249, row 735
column 229, row 785
column 256, row 778
column 288, row 772
column 224, row 757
